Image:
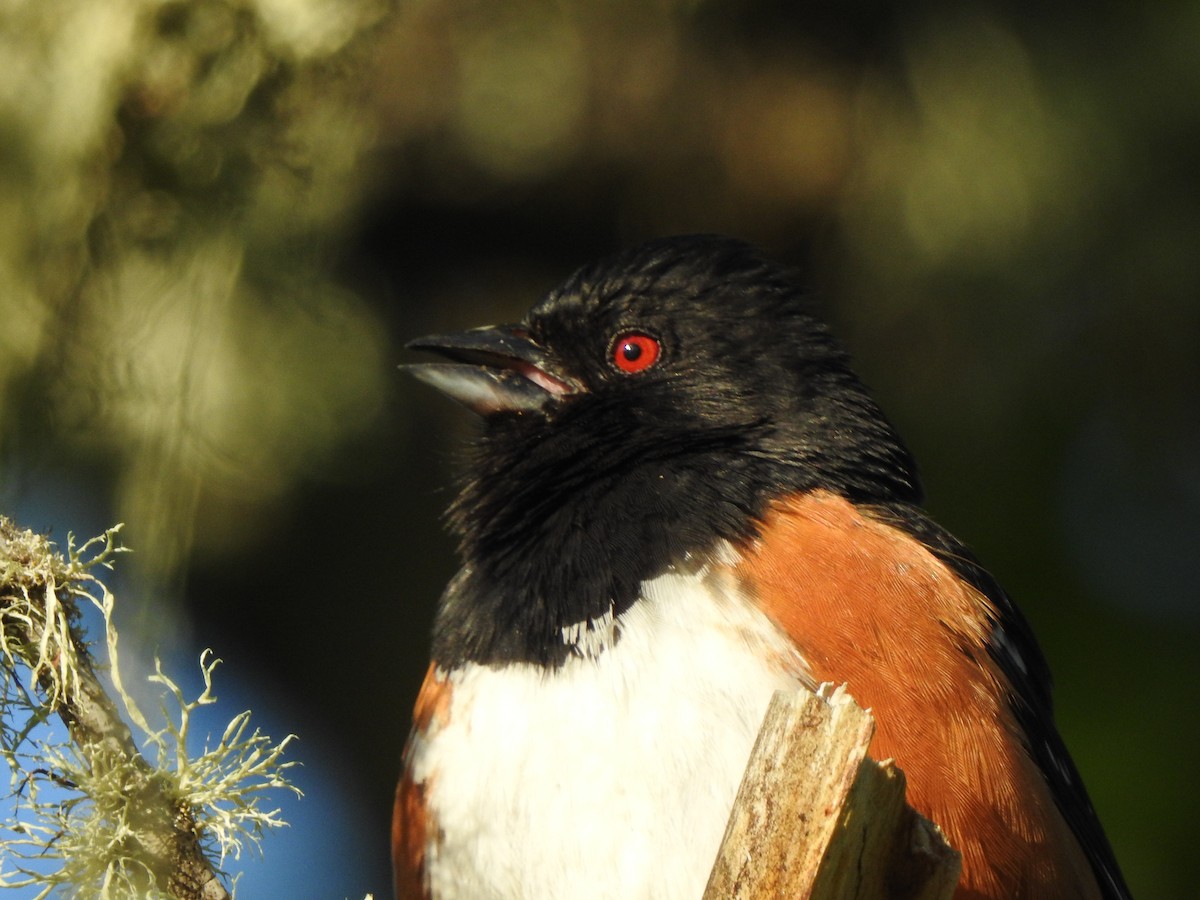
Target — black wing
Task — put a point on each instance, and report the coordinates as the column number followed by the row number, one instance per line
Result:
column 1016, row 651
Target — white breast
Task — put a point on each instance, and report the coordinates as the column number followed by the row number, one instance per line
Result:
column 614, row 775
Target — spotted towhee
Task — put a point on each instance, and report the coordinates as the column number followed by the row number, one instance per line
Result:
column 683, row 500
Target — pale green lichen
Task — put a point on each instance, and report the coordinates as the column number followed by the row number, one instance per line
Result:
column 96, row 814
column 223, row 785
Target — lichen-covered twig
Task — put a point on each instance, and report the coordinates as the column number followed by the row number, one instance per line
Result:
column 144, row 822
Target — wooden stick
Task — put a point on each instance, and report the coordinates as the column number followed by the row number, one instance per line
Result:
column 816, row 818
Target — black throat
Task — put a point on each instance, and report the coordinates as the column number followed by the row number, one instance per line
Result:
column 564, row 520
column 553, row 535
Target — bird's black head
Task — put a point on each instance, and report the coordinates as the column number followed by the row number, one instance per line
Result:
column 647, row 409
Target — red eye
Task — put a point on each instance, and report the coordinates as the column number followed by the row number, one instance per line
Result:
column 633, row 352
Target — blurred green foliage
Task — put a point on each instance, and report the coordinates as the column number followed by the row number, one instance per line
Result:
column 169, row 175
column 220, row 219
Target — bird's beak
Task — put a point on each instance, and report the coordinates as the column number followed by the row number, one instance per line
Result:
column 496, row 369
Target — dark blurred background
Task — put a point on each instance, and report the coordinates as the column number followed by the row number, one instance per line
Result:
column 221, row 219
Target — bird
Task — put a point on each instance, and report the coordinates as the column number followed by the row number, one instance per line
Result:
column 681, row 500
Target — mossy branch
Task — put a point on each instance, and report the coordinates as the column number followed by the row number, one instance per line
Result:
column 137, row 822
